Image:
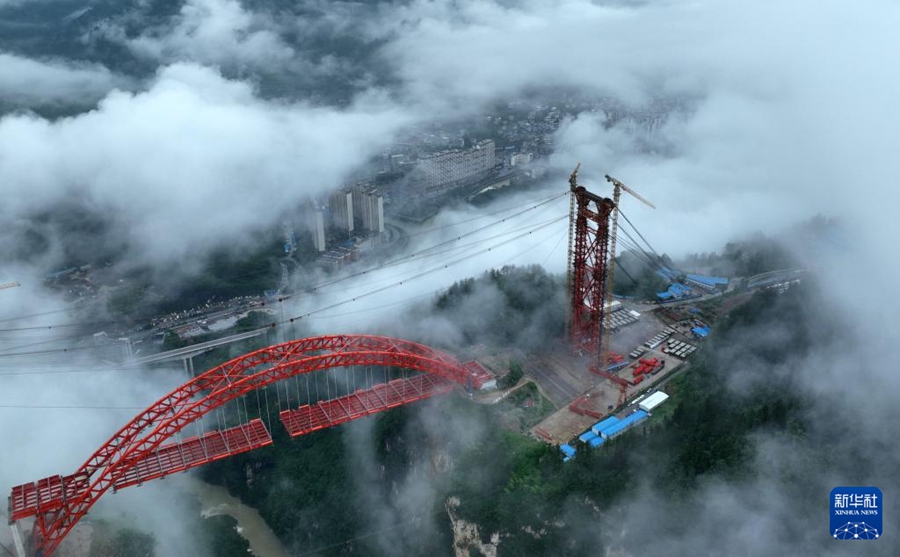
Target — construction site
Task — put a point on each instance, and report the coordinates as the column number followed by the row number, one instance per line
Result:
column 595, row 378
column 616, row 350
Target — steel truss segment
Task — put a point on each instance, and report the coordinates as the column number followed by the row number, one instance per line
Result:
column 589, row 264
column 137, row 452
column 309, row 418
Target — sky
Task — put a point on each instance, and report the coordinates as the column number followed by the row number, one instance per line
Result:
column 182, row 143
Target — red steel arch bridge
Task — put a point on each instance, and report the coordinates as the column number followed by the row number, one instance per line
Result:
column 152, row 446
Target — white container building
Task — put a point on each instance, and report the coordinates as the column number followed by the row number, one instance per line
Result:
column 653, row 401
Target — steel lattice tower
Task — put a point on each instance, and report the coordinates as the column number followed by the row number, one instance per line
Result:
column 588, row 254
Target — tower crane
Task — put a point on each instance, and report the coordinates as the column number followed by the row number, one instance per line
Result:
column 611, row 271
column 591, row 272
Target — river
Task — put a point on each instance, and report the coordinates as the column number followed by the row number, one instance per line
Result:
column 215, row 500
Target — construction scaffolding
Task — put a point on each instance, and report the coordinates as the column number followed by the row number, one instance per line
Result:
column 588, row 251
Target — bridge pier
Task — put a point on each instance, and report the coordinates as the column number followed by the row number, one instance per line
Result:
column 17, row 539
column 189, row 365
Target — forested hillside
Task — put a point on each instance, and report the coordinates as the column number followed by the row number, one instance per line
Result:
column 326, row 489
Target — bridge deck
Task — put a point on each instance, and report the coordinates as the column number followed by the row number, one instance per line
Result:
column 51, row 493
column 196, row 451
column 381, row 397
column 46, row 495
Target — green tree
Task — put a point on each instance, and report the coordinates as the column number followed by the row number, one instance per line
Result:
column 221, row 538
column 510, row 379
column 124, row 542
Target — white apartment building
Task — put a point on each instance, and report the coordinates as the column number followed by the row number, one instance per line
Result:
column 444, row 169
column 341, row 205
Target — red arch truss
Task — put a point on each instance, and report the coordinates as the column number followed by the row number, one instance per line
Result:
column 138, row 452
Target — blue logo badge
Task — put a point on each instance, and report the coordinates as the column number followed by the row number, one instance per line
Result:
column 856, row 513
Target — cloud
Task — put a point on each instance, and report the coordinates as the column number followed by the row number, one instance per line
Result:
column 778, row 111
column 46, row 400
column 399, row 476
column 784, row 111
column 25, row 82
column 306, row 50
column 220, row 32
column 194, row 162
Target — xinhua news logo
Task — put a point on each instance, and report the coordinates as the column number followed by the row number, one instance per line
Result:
column 856, row 513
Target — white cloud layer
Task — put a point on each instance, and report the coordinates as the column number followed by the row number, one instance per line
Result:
column 32, row 82
column 220, row 32
column 786, row 110
column 193, row 162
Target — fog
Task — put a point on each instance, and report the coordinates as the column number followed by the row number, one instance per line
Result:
column 53, row 82
column 779, row 111
column 58, row 408
column 180, row 160
column 219, row 32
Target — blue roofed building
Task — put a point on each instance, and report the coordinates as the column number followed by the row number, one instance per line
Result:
column 568, row 450
column 600, row 426
column 624, row 424
column 679, row 290
column 700, row 332
column 596, row 442
column 676, row 291
column 587, row 436
column 705, row 282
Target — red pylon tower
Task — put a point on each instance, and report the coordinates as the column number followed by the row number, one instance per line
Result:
column 588, row 258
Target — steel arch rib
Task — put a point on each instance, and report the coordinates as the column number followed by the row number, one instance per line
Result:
column 224, row 383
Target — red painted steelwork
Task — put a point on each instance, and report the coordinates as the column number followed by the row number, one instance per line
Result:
column 611, row 376
column 50, row 494
column 59, row 502
column 576, row 407
column 309, row 418
column 46, row 495
column 478, row 374
column 589, row 263
column 196, row 451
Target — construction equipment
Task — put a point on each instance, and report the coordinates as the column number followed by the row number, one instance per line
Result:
column 588, row 256
column 622, row 384
column 578, row 407
column 611, row 267
column 9, row 285
column 619, row 184
column 591, row 273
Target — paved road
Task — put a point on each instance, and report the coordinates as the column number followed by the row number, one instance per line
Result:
column 194, row 349
column 559, row 390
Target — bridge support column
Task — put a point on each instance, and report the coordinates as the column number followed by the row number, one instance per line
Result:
column 17, row 539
